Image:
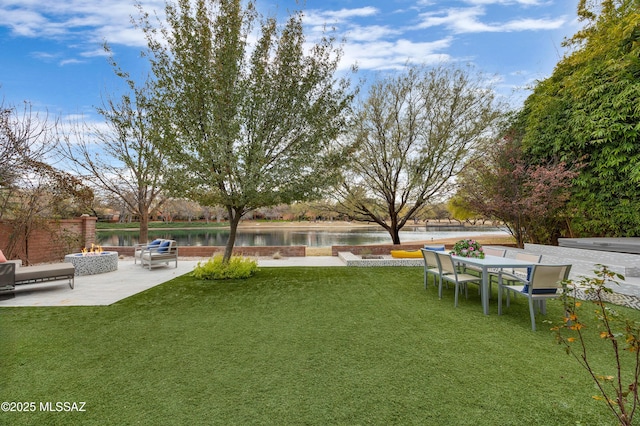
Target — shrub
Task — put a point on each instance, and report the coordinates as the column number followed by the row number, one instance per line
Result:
column 216, row 269
column 618, row 387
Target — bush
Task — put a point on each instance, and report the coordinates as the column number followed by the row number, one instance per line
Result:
column 216, row 269
column 619, row 390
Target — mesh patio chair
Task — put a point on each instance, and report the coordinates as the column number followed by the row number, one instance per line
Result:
column 543, row 284
column 450, row 273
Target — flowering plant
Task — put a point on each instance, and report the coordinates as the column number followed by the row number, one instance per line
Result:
column 468, row 248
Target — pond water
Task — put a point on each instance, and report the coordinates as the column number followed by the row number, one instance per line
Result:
column 294, row 236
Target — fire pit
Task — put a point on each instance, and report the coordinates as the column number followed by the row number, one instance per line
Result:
column 93, row 261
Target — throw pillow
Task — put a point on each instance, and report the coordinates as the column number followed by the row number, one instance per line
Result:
column 164, row 247
column 154, row 243
column 525, row 289
column 3, row 259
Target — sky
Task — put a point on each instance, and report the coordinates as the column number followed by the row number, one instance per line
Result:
column 52, row 56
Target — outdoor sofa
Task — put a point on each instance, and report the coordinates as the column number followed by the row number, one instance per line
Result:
column 12, row 273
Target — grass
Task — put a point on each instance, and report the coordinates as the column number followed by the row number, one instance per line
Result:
column 312, row 346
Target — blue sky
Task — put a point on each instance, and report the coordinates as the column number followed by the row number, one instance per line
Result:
column 52, row 55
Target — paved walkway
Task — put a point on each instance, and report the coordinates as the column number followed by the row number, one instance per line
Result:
column 130, row 279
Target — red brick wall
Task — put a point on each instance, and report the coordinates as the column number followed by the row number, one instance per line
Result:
column 52, row 240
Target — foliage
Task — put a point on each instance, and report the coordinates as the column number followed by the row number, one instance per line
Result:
column 587, row 111
column 460, row 210
column 468, row 248
column 412, row 135
column 620, row 389
column 31, row 190
column 130, row 169
column 247, row 125
column 530, row 199
column 217, row 269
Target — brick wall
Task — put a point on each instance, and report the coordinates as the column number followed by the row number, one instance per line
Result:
column 50, row 241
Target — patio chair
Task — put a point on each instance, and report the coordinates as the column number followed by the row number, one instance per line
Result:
column 543, row 284
column 450, row 273
column 514, row 274
column 166, row 252
column 432, row 266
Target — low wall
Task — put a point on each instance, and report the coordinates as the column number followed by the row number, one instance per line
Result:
column 584, row 261
column 351, row 259
column 380, row 248
column 50, row 241
column 208, row 251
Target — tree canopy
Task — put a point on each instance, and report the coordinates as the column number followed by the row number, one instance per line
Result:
column 128, row 166
column 588, row 111
column 246, row 124
column 530, row 199
column 31, row 189
column 412, row 134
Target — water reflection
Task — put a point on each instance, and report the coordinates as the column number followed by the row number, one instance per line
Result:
column 292, row 236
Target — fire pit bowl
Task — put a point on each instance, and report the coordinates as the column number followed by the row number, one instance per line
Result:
column 93, row 263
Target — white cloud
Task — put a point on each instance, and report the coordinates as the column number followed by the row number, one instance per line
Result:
column 533, row 24
column 367, row 33
column 91, row 19
column 467, row 20
column 508, row 2
column 70, row 61
column 331, row 17
column 384, row 55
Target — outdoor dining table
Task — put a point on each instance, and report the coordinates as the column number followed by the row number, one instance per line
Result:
column 487, row 263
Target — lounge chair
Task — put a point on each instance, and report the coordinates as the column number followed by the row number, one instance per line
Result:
column 12, row 273
column 157, row 254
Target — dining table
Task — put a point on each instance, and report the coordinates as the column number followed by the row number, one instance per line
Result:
column 491, row 262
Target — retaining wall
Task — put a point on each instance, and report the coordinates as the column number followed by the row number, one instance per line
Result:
column 50, row 241
column 584, row 261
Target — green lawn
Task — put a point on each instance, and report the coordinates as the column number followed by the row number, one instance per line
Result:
column 312, row 346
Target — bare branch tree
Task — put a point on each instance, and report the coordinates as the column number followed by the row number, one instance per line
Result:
column 122, row 160
column 414, row 133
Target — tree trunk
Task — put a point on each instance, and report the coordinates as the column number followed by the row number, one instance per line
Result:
column 144, row 224
column 394, row 227
column 234, row 220
column 395, row 235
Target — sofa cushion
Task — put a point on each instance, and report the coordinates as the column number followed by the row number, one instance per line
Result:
column 39, row 272
column 525, row 289
column 164, row 247
column 154, row 243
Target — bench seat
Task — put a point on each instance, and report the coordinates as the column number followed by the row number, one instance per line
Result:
column 12, row 274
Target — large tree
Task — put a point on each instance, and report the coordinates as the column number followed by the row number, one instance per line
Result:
column 122, row 160
column 587, row 111
column 414, row 133
column 250, row 125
